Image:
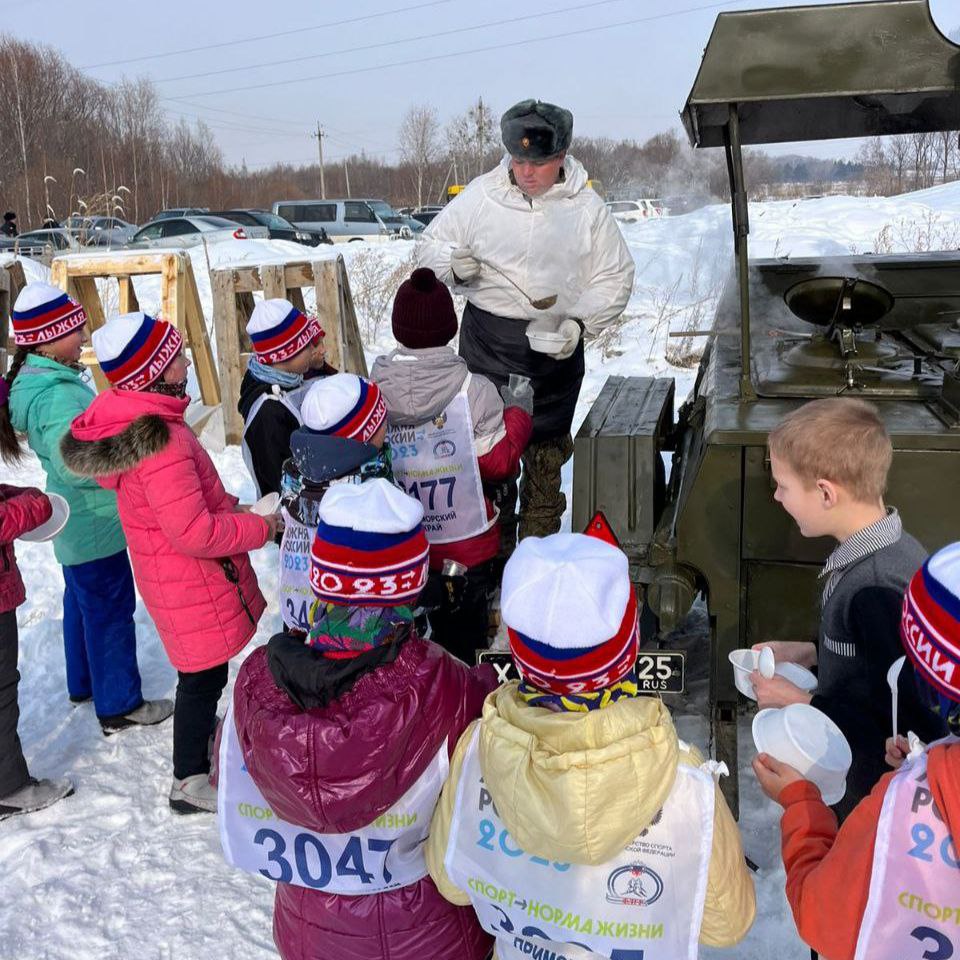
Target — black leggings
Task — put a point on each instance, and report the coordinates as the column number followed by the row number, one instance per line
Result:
column 194, row 719
column 13, row 768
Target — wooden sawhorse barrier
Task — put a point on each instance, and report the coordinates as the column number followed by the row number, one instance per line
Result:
column 12, row 281
column 233, row 302
column 77, row 275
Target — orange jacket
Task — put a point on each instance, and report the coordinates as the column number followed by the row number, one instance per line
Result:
column 829, row 866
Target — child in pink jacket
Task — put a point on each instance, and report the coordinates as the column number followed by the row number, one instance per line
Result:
column 188, row 540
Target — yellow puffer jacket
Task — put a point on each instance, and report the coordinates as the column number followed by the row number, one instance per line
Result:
column 578, row 787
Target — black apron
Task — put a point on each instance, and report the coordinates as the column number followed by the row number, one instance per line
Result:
column 496, row 346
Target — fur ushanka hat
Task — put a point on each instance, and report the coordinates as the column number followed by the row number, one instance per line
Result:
column 533, row 130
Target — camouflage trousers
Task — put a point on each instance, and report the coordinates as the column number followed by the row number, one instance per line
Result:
column 541, row 502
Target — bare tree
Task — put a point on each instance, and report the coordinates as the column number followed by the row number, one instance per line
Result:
column 471, row 137
column 899, row 150
column 419, row 142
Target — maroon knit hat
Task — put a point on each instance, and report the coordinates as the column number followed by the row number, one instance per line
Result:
column 423, row 314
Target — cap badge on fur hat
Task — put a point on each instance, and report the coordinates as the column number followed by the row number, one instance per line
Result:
column 571, row 613
column 43, row 313
column 930, row 625
column 344, row 405
column 134, row 349
column 279, row 331
column 370, row 548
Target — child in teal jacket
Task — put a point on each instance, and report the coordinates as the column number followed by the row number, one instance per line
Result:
column 47, row 391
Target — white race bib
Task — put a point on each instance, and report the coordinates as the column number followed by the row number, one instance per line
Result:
column 383, row 855
column 644, row 904
column 296, row 595
column 913, row 909
column 436, row 462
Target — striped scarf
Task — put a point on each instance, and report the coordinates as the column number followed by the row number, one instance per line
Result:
column 579, row 702
column 343, row 632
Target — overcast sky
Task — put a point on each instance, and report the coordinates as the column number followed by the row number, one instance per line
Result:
column 620, row 79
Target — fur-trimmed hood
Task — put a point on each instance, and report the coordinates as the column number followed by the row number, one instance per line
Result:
column 118, row 431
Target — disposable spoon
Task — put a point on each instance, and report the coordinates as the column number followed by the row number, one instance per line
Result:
column 893, row 674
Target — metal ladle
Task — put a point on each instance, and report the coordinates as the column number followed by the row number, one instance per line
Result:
column 544, row 303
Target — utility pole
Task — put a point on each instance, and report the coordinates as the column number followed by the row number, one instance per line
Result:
column 320, row 135
column 346, row 173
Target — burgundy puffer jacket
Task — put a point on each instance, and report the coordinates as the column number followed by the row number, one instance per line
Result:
column 337, row 768
column 21, row 510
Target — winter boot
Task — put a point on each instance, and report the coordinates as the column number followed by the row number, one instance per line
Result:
column 193, row 794
column 34, row 795
column 148, row 713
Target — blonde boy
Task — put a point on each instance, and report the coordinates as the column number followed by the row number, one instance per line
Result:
column 830, row 460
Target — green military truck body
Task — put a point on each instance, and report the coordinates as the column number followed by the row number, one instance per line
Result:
column 712, row 527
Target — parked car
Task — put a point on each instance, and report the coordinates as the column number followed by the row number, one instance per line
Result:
column 425, row 214
column 277, row 227
column 180, row 212
column 344, row 220
column 101, row 231
column 631, row 211
column 44, row 244
column 188, row 231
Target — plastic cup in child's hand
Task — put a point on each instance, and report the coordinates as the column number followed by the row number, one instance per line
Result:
column 266, row 504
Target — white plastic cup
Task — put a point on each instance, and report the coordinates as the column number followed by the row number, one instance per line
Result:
column 58, row 520
column 810, row 742
column 745, row 661
column 266, row 505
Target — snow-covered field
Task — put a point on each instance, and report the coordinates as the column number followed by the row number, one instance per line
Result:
column 111, row 872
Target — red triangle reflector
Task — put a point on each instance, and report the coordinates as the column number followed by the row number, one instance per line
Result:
column 599, row 528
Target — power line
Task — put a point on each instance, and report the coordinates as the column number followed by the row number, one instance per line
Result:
column 235, row 113
column 266, row 36
column 389, row 43
column 229, row 125
column 462, row 53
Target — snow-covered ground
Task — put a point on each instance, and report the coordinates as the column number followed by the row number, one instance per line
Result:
column 111, row 872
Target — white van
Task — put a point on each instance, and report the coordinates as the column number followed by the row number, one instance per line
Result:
column 343, row 220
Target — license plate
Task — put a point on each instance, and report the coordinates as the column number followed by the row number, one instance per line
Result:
column 658, row 671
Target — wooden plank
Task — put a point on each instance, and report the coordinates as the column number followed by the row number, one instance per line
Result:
column 84, row 289
column 13, row 282
column 17, row 281
column 298, row 275
column 227, row 331
column 58, row 274
column 246, row 279
column 295, row 296
column 272, row 278
column 6, row 307
column 328, row 309
column 173, row 290
column 355, row 359
column 250, row 279
column 117, row 264
column 89, row 296
column 128, row 296
column 198, row 339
